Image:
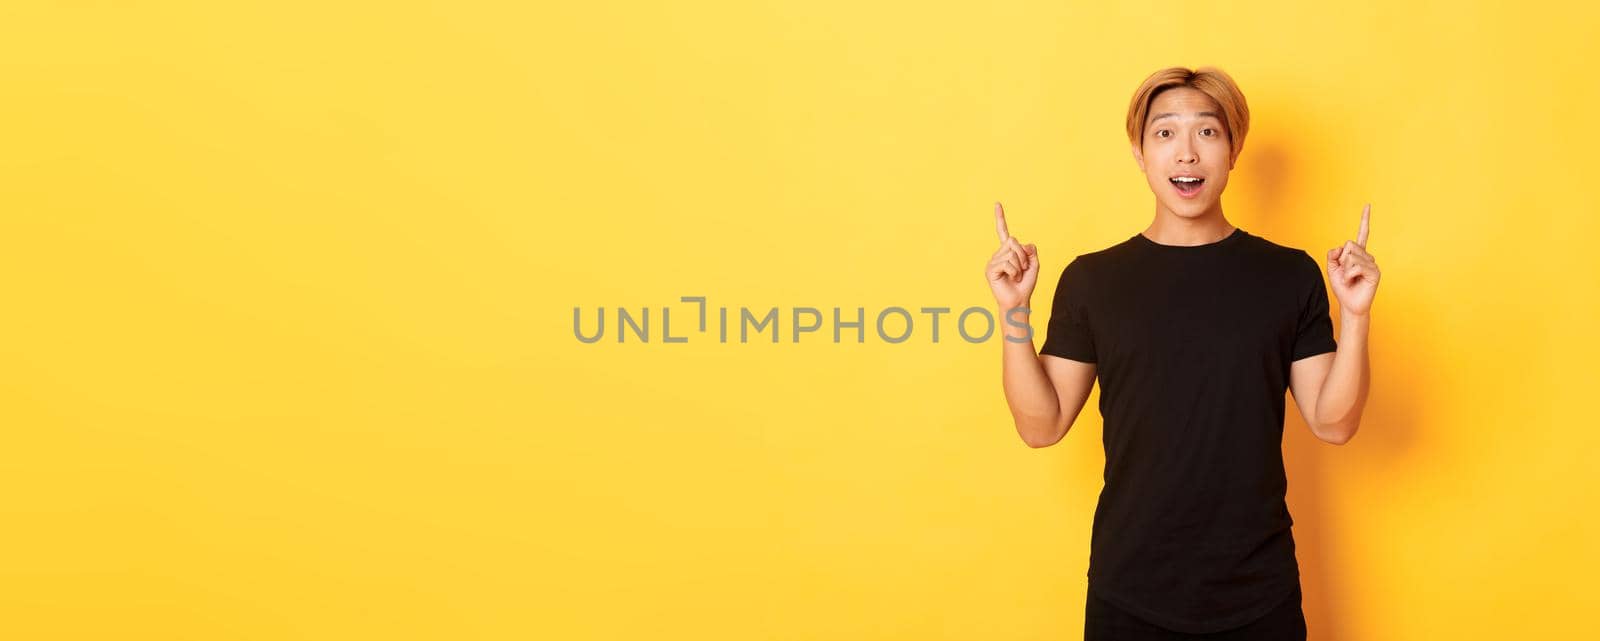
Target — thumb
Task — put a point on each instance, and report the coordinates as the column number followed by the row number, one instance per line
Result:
column 1333, row 257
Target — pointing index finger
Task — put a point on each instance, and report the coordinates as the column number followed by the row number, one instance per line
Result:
column 1000, row 222
column 1361, row 236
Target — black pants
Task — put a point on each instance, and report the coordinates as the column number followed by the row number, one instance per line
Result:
column 1105, row 622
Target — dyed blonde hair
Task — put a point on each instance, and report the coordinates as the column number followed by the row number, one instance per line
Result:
column 1210, row 81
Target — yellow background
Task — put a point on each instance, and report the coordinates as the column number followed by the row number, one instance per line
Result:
column 288, row 347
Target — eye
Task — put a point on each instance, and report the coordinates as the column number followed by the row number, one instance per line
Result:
column 1159, row 133
column 1213, row 131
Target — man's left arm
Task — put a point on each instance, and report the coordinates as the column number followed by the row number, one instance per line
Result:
column 1331, row 389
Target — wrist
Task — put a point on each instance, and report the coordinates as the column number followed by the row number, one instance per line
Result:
column 1007, row 306
column 1349, row 320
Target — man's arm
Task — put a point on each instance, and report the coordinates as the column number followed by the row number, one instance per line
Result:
column 1331, row 388
column 1044, row 392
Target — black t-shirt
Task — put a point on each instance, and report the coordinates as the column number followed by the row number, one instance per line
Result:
column 1192, row 346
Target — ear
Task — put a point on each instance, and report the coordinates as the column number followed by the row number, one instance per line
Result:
column 1138, row 157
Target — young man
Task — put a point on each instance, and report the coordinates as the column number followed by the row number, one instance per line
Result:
column 1194, row 328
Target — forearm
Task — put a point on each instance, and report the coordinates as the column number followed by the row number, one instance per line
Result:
column 1344, row 391
column 1032, row 399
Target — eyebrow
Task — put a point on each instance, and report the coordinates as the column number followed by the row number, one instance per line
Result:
column 1202, row 114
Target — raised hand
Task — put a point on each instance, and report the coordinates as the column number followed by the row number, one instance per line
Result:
column 1013, row 269
column 1353, row 272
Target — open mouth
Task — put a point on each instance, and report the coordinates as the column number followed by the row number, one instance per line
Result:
column 1187, row 186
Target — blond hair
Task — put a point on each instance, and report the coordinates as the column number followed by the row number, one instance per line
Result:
column 1211, row 81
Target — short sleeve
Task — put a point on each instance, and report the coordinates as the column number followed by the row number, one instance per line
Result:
column 1068, row 335
column 1314, row 331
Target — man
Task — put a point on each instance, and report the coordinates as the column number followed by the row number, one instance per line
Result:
column 1194, row 328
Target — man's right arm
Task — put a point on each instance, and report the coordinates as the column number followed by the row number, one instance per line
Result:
column 1045, row 392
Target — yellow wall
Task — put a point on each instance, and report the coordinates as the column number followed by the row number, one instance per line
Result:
column 288, row 347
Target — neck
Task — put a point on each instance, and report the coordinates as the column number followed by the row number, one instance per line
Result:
column 1171, row 229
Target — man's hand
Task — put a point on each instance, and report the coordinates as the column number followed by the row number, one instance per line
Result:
column 1014, row 268
column 1353, row 272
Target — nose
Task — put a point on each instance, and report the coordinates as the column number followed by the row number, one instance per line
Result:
column 1186, row 153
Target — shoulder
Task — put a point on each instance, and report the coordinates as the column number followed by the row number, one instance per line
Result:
column 1084, row 274
column 1293, row 268
column 1099, row 259
column 1268, row 246
column 1282, row 255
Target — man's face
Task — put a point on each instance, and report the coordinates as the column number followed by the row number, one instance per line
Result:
column 1184, row 136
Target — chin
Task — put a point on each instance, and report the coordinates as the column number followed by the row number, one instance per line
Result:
column 1189, row 209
